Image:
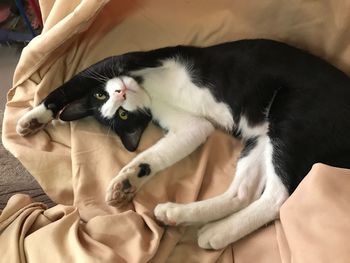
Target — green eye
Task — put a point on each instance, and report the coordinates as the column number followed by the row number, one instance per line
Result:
column 123, row 114
column 100, row 96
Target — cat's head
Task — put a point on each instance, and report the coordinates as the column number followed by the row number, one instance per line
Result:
column 115, row 99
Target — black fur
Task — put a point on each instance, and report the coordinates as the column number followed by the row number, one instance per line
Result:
column 145, row 169
column 248, row 146
column 308, row 118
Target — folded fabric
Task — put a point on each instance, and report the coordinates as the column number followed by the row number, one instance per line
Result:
column 74, row 162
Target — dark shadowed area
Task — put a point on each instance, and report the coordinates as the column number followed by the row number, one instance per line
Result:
column 14, row 178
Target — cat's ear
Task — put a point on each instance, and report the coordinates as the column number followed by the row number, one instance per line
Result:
column 76, row 110
column 131, row 140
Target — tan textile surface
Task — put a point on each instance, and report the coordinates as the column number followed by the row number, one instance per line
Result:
column 74, row 162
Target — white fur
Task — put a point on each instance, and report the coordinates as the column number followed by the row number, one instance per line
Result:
column 219, row 234
column 172, row 85
column 136, row 98
column 242, row 209
column 252, row 200
column 246, row 187
column 40, row 112
column 178, row 143
column 110, row 107
column 248, row 131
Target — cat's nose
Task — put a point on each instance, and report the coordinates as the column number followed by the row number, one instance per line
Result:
column 120, row 94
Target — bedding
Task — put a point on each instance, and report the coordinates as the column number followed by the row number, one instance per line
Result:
column 74, row 162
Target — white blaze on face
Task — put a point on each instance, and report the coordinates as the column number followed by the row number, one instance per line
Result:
column 123, row 91
column 113, row 88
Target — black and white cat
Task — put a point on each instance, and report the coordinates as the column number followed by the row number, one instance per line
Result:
column 290, row 108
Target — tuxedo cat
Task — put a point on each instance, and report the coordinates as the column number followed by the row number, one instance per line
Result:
column 290, row 108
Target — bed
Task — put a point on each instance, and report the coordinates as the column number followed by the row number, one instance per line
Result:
column 74, row 162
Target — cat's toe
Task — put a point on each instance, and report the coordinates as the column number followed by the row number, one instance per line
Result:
column 120, row 193
column 205, row 242
column 213, row 236
column 208, row 240
column 168, row 213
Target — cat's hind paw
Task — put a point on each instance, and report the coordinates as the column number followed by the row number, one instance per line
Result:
column 34, row 120
column 216, row 235
column 169, row 214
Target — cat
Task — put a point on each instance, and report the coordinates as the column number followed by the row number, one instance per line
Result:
column 290, row 108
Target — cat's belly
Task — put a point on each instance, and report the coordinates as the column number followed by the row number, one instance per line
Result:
column 199, row 103
column 172, row 85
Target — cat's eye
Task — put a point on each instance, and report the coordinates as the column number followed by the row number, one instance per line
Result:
column 123, row 114
column 100, row 96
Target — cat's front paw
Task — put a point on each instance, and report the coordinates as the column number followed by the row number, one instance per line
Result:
column 123, row 187
column 169, row 214
column 34, row 120
column 28, row 126
column 120, row 192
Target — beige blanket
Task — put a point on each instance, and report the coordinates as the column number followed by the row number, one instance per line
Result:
column 74, row 162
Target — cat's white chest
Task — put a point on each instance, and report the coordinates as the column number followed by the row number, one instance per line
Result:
column 171, row 89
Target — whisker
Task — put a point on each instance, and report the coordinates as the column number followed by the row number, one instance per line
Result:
column 62, row 92
column 90, row 73
column 94, row 77
column 110, row 127
column 116, row 68
column 104, row 67
column 98, row 77
column 109, row 70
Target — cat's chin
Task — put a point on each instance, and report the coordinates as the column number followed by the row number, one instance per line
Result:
column 137, row 100
column 131, row 107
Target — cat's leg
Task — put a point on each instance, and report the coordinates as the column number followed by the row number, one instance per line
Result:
column 219, row 234
column 178, row 143
column 246, row 186
column 37, row 118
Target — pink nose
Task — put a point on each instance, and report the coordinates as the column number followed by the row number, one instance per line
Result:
column 120, row 94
